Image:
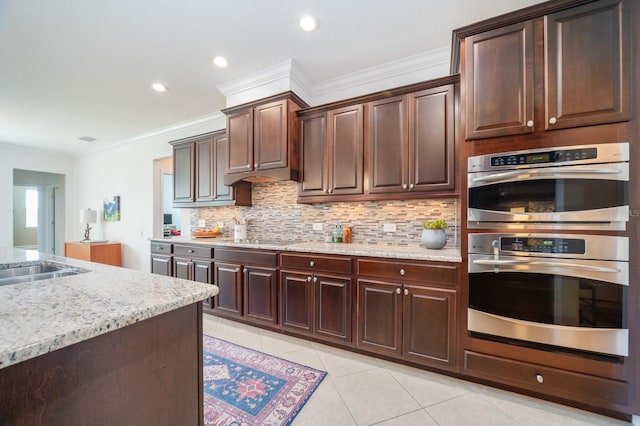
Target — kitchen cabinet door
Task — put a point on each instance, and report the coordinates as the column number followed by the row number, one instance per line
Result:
column 297, row 302
column 313, row 155
column 379, row 317
column 387, row 145
column 431, row 139
column 240, row 134
column 345, row 151
column 228, row 278
column 270, row 135
column 183, row 173
column 261, row 294
column 499, row 82
column 221, row 191
column 588, row 65
column 182, row 268
column 429, row 325
column 205, row 166
column 332, row 308
column 162, row 265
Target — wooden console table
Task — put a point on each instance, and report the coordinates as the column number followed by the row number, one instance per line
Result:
column 104, row 252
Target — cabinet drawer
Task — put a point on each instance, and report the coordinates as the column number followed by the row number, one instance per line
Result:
column 547, row 380
column 164, row 248
column 248, row 257
column 193, row 251
column 434, row 274
column 335, row 264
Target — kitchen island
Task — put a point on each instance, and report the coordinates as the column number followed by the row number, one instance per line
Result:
column 108, row 346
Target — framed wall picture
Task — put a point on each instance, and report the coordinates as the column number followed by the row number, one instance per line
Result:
column 112, row 209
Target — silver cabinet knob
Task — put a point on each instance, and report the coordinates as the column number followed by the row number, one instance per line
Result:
column 326, row 191
column 211, row 197
column 553, row 120
column 330, row 190
column 312, row 263
column 402, row 272
column 255, row 165
column 308, row 279
column 539, row 378
column 411, row 186
column 530, row 123
column 245, row 270
column 315, row 279
column 397, row 291
column 190, row 251
column 406, row 292
column 159, row 248
column 248, row 166
column 404, row 186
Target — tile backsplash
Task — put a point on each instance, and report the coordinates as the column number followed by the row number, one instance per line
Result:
column 275, row 215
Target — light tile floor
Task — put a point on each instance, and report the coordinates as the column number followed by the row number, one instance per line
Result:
column 362, row 390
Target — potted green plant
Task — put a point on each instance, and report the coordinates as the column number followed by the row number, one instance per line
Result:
column 433, row 235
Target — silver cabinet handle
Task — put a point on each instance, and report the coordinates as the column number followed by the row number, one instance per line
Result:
column 308, row 279
column 539, row 378
column 406, row 292
column 315, row 279
column 404, row 186
column 553, row 120
column 397, row 291
column 530, row 123
column 402, row 272
column 312, row 263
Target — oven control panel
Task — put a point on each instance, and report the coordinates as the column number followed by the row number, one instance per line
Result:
column 543, row 245
column 542, row 157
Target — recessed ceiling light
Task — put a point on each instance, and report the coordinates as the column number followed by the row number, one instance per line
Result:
column 159, row 87
column 220, row 61
column 308, row 23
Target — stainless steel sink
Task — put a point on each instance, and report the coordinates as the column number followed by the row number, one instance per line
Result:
column 35, row 271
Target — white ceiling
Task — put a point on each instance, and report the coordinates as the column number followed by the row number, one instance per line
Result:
column 73, row 68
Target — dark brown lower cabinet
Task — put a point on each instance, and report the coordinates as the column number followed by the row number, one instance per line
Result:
column 161, row 264
column 318, row 305
column 195, row 263
column 411, row 314
column 247, row 283
column 316, row 296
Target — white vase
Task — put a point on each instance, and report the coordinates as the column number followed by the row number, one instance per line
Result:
column 434, row 238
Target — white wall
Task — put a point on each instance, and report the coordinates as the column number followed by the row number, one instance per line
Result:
column 127, row 170
column 18, row 157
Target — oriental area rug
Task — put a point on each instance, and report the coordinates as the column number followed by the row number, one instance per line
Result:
column 243, row 387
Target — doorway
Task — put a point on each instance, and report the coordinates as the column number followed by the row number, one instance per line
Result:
column 38, row 211
column 165, row 217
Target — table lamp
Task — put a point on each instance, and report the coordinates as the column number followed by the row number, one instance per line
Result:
column 88, row 216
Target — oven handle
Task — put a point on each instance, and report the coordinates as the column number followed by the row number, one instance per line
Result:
column 544, row 172
column 498, row 262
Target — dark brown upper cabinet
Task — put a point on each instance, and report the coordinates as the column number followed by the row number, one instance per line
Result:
column 585, row 71
column 499, row 82
column 410, row 142
column 263, row 139
column 199, row 166
column 588, row 65
column 331, row 153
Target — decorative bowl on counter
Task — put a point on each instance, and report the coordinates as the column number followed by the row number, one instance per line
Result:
column 206, row 233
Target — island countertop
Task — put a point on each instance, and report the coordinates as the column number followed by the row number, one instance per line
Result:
column 42, row 316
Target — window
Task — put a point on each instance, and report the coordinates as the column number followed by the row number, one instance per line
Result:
column 31, row 205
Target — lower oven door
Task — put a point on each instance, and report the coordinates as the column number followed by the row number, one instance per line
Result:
column 569, row 303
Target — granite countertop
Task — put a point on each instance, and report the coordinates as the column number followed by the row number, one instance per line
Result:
column 412, row 251
column 42, row 316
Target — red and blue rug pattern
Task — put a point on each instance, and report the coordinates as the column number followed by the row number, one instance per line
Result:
column 243, row 387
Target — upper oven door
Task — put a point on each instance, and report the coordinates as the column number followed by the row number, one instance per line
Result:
column 590, row 196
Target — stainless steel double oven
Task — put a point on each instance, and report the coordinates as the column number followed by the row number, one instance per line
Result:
column 530, row 283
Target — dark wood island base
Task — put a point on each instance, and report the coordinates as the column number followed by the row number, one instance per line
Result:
column 148, row 373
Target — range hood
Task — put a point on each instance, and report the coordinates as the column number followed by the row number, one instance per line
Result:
column 263, row 140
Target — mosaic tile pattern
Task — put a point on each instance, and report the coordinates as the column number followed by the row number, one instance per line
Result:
column 275, row 215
